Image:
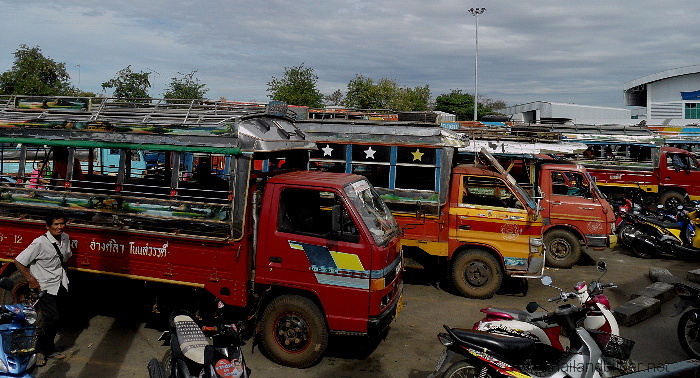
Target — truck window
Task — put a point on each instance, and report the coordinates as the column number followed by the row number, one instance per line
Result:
column 488, row 191
column 309, row 212
column 570, row 184
column 681, row 162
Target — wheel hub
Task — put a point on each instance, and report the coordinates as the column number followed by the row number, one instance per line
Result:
column 560, row 248
column 292, row 332
column 478, row 274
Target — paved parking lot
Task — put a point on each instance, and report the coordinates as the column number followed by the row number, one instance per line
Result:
column 112, row 340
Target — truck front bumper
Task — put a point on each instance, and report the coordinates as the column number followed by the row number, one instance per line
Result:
column 601, row 241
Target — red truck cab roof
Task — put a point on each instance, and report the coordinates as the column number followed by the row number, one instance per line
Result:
column 316, row 177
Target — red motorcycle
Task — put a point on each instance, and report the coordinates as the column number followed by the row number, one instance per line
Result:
column 514, row 322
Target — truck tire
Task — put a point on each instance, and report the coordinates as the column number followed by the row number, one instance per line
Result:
column 563, row 249
column 476, row 274
column 20, row 292
column 670, row 200
column 293, row 331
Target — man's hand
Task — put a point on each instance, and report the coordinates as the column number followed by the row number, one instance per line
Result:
column 33, row 283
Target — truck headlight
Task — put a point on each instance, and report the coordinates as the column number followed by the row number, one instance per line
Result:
column 536, row 242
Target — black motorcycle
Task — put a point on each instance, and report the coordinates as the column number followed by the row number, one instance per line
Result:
column 209, row 352
column 689, row 323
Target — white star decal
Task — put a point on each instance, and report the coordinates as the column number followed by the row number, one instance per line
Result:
column 370, row 153
column 327, row 150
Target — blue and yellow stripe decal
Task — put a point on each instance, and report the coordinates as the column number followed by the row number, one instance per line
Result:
column 335, row 268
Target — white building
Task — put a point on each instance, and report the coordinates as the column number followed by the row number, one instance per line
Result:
column 670, row 97
column 542, row 111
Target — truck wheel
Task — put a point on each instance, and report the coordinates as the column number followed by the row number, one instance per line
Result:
column 477, row 274
column 563, row 249
column 20, row 293
column 671, row 200
column 293, row 331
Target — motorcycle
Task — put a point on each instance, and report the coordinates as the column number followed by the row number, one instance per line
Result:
column 209, row 352
column 592, row 354
column 688, row 329
column 649, row 236
column 514, row 322
column 18, row 334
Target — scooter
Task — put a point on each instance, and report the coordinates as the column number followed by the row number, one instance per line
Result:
column 592, row 354
column 18, row 334
column 194, row 354
column 648, row 236
column 688, row 329
column 514, row 322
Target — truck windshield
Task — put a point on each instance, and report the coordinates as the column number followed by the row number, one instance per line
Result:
column 594, row 187
column 376, row 216
column 526, row 197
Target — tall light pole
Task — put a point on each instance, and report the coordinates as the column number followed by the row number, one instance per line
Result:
column 476, row 12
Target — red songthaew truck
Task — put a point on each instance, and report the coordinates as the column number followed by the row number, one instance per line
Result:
column 304, row 254
column 669, row 176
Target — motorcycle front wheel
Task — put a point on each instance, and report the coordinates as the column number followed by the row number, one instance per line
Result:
column 461, row 369
column 689, row 333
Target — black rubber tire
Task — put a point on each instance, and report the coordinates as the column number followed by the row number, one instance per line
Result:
column 460, row 369
column 155, row 369
column 293, row 331
column 624, row 233
column 20, row 291
column 167, row 363
column 563, row 249
column 671, row 200
column 689, row 333
column 639, row 248
column 476, row 274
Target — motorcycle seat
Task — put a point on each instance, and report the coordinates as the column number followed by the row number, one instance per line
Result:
column 516, row 314
column 190, row 338
column 506, row 346
column 662, row 223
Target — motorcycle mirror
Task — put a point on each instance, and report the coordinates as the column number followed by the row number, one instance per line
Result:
column 546, row 280
column 6, row 283
column 532, row 307
column 602, row 267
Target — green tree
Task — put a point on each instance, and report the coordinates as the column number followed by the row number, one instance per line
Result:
column 458, row 103
column 185, row 87
column 364, row 93
column 411, row 99
column 296, row 87
column 129, row 84
column 462, row 105
column 334, row 99
column 34, row 74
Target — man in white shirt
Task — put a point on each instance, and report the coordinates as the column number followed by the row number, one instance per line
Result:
column 42, row 263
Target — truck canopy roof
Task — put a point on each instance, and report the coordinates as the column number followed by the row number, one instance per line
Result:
column 189, row 125
column 407, row 133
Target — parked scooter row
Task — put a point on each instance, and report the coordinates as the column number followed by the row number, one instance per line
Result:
column 591, row 353
column 661, row 234
column 515, row 322
column 199, row 352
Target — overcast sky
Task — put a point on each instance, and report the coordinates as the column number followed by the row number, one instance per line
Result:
column 561, row 51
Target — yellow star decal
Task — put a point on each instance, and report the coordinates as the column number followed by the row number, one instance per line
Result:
column 417, row 155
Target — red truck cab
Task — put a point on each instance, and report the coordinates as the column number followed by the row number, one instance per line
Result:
column 670, row 175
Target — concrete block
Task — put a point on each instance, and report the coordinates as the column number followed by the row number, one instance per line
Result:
column 658, row 290
column 637, row 310
column 694, row 276
column 662, row 275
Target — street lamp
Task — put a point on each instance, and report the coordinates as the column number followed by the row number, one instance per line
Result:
column 476, row 12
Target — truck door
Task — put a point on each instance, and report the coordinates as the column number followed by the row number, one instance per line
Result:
column 572, row 202
column 681, row 171
column 489, row 213
column 301, row 249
